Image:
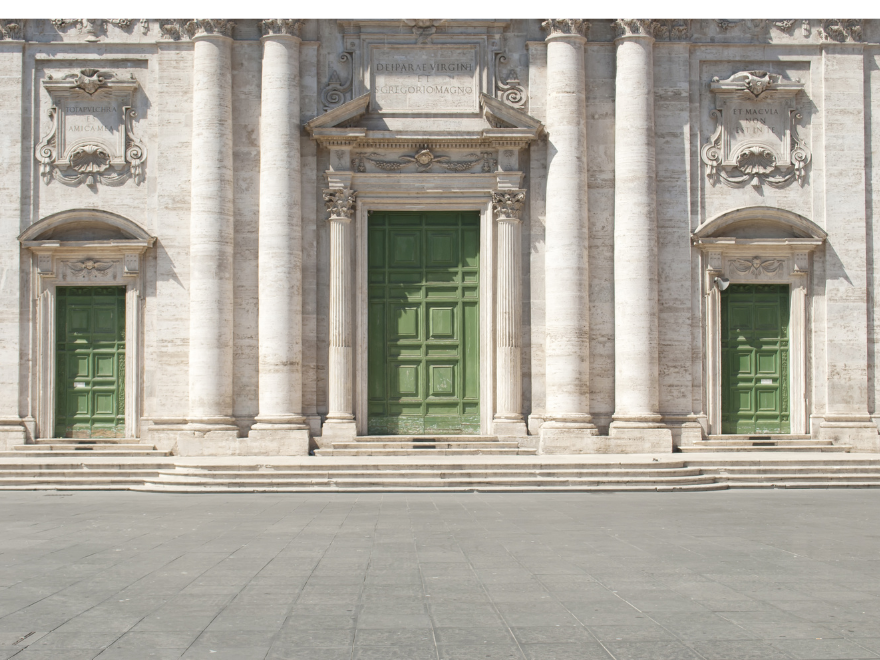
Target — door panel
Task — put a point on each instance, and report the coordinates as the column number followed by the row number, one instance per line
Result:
column 423, row 323
column 90, row 362
column 754, row 359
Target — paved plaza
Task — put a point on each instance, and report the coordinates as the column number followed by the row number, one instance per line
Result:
column 735, row 575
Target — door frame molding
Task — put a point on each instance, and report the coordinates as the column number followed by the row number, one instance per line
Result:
column 458, row 200
column 57, row 263
column 752, row 261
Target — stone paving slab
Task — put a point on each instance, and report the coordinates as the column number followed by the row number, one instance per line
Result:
column 733, row 575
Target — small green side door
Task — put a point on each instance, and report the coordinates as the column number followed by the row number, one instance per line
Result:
column 424, row 323
column 90, row 362
column 754, row 359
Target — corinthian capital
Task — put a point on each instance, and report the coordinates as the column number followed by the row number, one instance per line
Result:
column 628, row 27
column 559, row 26
column 508, row 204
column 290, row 26
column 213, row 26
column 10, row 29
column 340, row 203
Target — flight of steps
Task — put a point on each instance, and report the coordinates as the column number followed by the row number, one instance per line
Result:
column 771, row 443
column 70, row 447
column 433, row 477
column 435, row 445
column 792, row 472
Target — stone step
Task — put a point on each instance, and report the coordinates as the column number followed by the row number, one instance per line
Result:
column 66, row 446
column 803, row 484
column 85, row 441
column 76, row 481
column 702, row 447
column 428, row 439
column 766, row 443
column 210, row 487
column 534, row 464
column 367, row 451
column 766, row 436
column 796, row 478
column 95, row 452
column 80, row 466
column 234, row 473
column 422, row 446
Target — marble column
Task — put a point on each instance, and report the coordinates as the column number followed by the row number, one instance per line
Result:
column 280, row 421
column 568, row 424
column 507, row 206
column 340, row 421
column 211, row 231
column 636, row 347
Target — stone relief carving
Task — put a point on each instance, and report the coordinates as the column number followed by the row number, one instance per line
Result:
column 760, row 27
column 10, row 29
column 93, row 27
column 89, row 269
column 186, row 28
column 757, row 138
column 289, row 26
column 840, row 29
column 756, row 265
column 424, row 160
column 336, row 92
column 508, row 204
column 340, row 202
column 91, row 138
column 576, row 26
column 423, row 28
column 507, row 84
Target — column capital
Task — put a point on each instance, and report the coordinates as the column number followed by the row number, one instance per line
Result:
column 566, row 27
column 210, row 27
column 340, row 202
column 277, row 27
column 634, row 27
column 508, row 204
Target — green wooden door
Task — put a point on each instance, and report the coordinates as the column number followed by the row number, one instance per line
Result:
column 424, row 323
column 754, row 359
column 90, row 362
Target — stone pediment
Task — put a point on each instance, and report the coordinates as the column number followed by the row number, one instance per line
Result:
column 505, row 126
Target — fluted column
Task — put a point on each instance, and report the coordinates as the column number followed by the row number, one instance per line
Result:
column 507, row 206
column 211, row 229
column 636, row 371
column 280, row 236
column 566, row 271
column 340, row 401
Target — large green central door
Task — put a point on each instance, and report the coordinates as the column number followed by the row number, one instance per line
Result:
column 424, row 323
column 90, row 362
column 754, row 359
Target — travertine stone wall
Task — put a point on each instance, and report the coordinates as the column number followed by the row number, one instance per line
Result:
column 592, row 222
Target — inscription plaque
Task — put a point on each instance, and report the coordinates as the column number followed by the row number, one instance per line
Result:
column 413, row 79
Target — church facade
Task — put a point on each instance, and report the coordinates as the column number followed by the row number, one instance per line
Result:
column 252, row 237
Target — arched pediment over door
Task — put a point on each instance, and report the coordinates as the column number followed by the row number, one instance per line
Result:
column 758, row 244
column 84, row 247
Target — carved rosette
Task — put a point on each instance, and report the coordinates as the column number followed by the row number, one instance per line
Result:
column 11, row 29
column 508, row 204
column 566, row 26
column 340, row 203
column 842, row 30
column 279, row 26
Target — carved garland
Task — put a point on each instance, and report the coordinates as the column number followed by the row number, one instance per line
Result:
column 424, row 160
column 755, row 266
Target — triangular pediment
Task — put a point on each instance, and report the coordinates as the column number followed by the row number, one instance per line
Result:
column 501, row 115
column 343, row 116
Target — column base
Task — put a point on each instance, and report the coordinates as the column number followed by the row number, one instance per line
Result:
column 862, row 435
column 277, row 440
column 691, row 434
column 337, row 430
column 631, row 439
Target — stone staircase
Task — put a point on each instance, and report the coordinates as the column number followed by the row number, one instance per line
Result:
column 790, row 472
column 70, row 447
column 427, row 476
column 799, row 443
column 436, row 445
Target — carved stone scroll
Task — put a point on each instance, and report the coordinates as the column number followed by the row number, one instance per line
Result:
column 757, row 138
column 507, row 84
